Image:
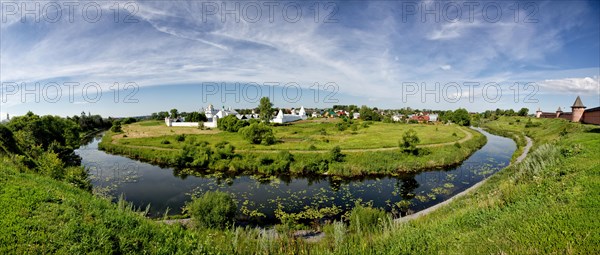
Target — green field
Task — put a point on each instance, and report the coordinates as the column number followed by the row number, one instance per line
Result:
column 548, row 204
column 296, row 137
column 370, row 149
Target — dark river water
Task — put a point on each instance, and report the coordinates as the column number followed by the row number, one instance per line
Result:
column 165, row 190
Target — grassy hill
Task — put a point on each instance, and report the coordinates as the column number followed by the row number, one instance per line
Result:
column 547, row 204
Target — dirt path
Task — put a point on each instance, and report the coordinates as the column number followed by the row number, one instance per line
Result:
column 467, row 191
column 468, row 136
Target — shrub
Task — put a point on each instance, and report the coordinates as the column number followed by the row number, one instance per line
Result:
column 165, row 141
column 258, row 133
column 231, row 123
column 366, row 218
column 532, row 124
column 116, row 127
column 78, row 176
column 194, row 155
column 224, row 150
column 180, row 138
column 129, row 120
column 342, row 126
column 214, row 209
column 280, row 164
column 409, row 141
column 50, row 165
column 335, row 155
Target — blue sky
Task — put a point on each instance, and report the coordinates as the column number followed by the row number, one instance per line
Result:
column 388, row 54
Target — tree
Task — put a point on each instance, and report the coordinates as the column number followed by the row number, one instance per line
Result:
column 265, row 109
column 523, row 112
column 195, row 117
column 461, row 116
column 8, row 144
column 258, row 133
column 409, row 141
column 174, row 113
column 367, row 113
column 230, row 123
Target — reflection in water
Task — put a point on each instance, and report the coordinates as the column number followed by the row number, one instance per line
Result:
column 167, row 189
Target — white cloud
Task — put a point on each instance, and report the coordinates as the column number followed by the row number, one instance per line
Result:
column 366, row 55
column 584, row 86
column 446, row 67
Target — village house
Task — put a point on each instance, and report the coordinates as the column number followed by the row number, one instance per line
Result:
column 578, row 113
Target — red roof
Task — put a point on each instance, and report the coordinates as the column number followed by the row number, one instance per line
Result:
column 420, row 118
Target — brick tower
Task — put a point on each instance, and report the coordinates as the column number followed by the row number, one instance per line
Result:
column 577, row 110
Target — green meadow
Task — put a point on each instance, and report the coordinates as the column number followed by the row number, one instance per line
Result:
column 546, row 204
column 321, row 134
column 368, row 148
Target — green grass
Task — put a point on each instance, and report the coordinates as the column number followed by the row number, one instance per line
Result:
column 356, row 163
column 546, row 205
column 300, row 136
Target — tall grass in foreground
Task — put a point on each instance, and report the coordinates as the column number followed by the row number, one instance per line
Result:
column 537, row 163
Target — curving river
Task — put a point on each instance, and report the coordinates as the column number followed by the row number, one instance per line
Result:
column 166, row 190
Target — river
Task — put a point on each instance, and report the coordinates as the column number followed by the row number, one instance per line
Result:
column 166, row 190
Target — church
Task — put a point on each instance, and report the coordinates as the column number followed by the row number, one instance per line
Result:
column 578, row 113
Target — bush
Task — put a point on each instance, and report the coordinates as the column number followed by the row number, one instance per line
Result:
column 342, row 126
column 335, row 155
column 116, row 127
column 214, row 209
column 78, row 176
column 280, row 164
column 258, row 133
column 366, row 219
column 409, row 141
column 165, row 141
column 531, row 124
column 129, row 120
column 231, row 123
column 50, row 165
column 180, row 138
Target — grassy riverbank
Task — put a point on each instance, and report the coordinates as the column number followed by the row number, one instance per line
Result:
column 303, row 148
column 546, row 204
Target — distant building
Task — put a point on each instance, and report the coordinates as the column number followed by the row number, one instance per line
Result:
column 423, row 117
column 285, row 118
column 578, row 113
column 212, row 116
